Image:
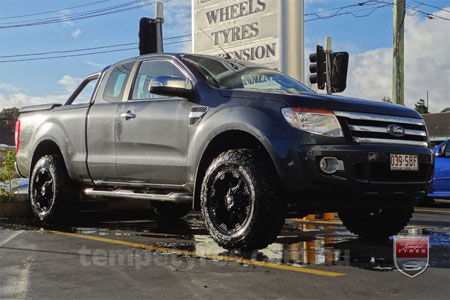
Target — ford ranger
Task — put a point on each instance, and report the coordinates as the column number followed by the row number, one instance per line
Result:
column 246, row 144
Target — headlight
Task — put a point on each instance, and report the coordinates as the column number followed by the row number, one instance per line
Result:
column 318, row 121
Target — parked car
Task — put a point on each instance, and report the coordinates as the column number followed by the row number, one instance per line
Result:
column 246, row 144
column 440, row 189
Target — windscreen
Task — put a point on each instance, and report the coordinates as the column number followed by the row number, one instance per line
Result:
column 233, row 74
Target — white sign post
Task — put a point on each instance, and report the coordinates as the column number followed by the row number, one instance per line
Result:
column 268, row 32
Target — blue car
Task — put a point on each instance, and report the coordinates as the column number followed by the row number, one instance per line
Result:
column 441, row 184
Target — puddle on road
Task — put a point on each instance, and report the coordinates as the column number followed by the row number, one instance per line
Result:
column 302, row 242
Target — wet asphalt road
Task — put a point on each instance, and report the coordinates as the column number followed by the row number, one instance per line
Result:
column 131, row 255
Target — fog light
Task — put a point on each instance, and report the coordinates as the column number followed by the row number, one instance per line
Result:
column 331, row 165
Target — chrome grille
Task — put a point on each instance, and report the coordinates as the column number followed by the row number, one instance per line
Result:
column 373, row 129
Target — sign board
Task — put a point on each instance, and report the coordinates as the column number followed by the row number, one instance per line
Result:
column 268, row 32
column 411, row 254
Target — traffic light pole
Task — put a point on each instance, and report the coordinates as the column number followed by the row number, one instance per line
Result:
column 328, row 51
column 159, row 20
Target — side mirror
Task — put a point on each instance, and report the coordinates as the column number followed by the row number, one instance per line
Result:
column 438, row 152
column 171, row 86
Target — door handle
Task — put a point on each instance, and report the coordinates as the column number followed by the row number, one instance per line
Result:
column 128, row 115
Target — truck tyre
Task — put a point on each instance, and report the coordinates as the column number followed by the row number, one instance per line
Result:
column 241, row 202
column 377, row 222
column 53, row 198
column 170, row 211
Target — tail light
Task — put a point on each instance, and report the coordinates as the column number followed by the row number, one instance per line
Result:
column 17, row 135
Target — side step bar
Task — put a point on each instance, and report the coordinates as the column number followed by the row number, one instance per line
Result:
column 171, row 197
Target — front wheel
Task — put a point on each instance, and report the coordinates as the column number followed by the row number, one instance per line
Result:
column 53, row 198
column 377, row 222
column 241, row 202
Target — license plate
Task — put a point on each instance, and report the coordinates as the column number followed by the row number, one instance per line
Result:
column 404, row 162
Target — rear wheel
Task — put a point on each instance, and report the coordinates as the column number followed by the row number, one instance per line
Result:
column 377, row 222
column 52, row 195
column 241, row 202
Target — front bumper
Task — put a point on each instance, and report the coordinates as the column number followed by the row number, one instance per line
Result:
column 367, row 170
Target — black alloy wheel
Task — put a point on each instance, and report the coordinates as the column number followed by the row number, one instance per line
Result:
column 43, row 192
column 54, row 199
column 231, row 201
column 241, row 200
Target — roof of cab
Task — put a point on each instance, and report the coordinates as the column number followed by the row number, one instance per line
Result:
column 176, row 55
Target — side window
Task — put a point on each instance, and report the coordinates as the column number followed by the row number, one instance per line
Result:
column 85, row 95
column 447, row 149
column 148, row 70
column 116, row 82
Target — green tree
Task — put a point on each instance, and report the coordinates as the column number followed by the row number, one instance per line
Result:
column 8, row 118
column 8, row 176
column 9, row 113
column 421, row 107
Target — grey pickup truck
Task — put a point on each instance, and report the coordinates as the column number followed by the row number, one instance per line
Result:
column 246, row 144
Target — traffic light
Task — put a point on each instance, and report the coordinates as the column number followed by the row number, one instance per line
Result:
column 339, row 67
column 317, row 68
column 147, row 36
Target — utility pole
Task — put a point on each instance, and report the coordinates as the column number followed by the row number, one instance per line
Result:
column 328, row 50
column 159, row 20
column 428, row 105
column 398, row 53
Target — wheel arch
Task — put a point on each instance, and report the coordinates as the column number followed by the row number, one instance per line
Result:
column 227, row 140
column 45, row 147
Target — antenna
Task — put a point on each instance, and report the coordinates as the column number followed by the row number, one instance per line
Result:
column 227, row 55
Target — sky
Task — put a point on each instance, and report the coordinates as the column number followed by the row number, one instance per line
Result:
column 367, row 39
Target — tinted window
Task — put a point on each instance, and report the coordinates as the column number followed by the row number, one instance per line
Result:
column 234, row 74
column 447, row 149
column 117, row 81
column 148, row 70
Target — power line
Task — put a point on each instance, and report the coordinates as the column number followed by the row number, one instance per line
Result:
column 64, row 56
column 426, row 14
column 339, row 9
column 353, row 12
column 68, row 51
column 374, row 5
column 52, row 11
column 83, row 15
column 78, row 14
column 85, row 49
column 429, row 15
column 429, row 5
column 84, row 54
